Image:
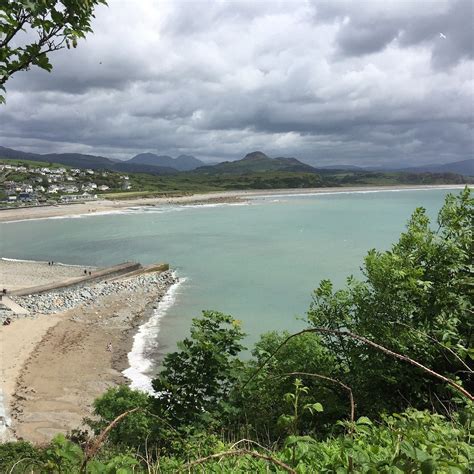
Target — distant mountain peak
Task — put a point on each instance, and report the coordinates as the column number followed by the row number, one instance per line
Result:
column 258, row 162
column 182, row 163
column 256, row 155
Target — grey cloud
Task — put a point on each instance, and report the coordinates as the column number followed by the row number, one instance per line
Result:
column 329, row 82
column 372, row 29
column 355, row 40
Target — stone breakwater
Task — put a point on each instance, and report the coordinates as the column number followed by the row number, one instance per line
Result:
column 62, row 300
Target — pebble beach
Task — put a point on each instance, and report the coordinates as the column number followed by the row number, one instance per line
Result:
column 70, row 346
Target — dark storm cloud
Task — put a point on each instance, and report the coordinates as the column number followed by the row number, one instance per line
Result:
column 373, row 28
column 330, row 82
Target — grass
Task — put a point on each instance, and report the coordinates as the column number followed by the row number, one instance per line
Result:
column 32, row 164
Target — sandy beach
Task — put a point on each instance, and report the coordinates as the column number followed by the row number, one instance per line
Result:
column 52, row 366
column 104, row 206
column 16, row 274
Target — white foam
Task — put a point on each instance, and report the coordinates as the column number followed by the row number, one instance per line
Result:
column 211, row 205
column 321, row 192
column 21, row 260
column 139, row 364
column 250, row 200
column 145, row 209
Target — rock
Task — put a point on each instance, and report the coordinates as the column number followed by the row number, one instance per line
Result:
column 55, row 301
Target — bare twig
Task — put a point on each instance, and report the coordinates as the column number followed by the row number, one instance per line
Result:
column 19, row 462
column 22, row 19
column 265, row 362
column 439, row 343
column 239, row 452
column 250, row 441
column 43, row 41
column 400, row 357
column 368, row 342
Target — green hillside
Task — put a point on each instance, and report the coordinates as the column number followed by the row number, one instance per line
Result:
column 255, row 171
column 257, row 162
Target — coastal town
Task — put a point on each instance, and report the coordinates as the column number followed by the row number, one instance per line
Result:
column 22, row 184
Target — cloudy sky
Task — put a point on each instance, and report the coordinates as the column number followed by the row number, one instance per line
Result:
column 329, row 82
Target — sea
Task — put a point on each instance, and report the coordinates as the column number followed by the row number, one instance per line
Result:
column 258, row 260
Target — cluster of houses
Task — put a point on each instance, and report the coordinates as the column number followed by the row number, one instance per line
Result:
column 57, row 184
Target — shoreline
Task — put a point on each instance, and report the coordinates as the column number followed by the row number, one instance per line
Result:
column 103, row 206
column 136, row 364
column 54, row 365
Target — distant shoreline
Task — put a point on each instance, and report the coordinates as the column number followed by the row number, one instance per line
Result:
column 106, row 206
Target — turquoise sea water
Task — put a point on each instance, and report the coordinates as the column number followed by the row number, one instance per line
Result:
column 258, row 262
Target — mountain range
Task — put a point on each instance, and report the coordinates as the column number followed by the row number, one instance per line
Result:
column 464, row 167
column 253, row 162
column 256, row 162
column 143, row 163
column 181, row 163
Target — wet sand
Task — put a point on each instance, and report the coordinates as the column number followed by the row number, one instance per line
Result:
column 53, row 366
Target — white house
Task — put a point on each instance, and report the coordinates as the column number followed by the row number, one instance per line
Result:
column 89, row 186
column 70, row 189
column 79, row 197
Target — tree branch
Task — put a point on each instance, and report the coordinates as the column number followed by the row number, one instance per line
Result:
column 95, row 445
column 239, row 452
column 368, row 342
column 22, row 19
column 42, row 42
column 439, row 343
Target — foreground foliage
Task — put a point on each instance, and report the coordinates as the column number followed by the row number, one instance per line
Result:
column 53, row 24
column 330, row 399
column 414, row 441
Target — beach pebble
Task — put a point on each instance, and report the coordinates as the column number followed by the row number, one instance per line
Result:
column 56, row 301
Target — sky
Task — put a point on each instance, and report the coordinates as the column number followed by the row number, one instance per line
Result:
column 329, row 82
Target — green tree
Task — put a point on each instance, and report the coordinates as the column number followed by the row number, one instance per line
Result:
column 56, row 23
column 261, row 402
column 417, row 300
column 196, row 380
column 134, row 428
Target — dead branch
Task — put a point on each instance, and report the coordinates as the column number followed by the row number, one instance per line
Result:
column 250, row 442
column 19, row 462
column 239, row 452
column 405, row 358
column 96, row 443
column 368, row 342
column 439, row 343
